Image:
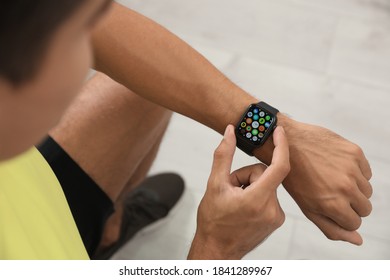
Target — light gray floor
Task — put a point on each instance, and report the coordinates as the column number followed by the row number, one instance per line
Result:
column 323, row 61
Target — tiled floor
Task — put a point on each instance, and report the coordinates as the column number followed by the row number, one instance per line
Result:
column 331, row 57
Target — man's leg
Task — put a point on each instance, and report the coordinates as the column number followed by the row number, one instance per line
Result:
column 113, row 226
column 114, row 136
column 109, row 131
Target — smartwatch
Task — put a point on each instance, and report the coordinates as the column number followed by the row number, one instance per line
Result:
column 255, row 127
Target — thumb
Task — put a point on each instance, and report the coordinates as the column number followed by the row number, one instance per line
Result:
column 223, row 155
column 333, row 231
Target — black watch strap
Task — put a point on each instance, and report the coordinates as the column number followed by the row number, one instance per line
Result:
column 244, row 146
column 269, row 108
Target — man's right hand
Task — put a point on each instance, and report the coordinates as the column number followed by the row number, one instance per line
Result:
column 233, row 220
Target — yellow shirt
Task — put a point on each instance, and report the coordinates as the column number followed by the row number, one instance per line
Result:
column 35, row 219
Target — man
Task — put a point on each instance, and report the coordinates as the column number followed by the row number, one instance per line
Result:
column 112, row 133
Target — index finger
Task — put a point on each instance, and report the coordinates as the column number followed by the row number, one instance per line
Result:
column 280, row 165
column 223, row 155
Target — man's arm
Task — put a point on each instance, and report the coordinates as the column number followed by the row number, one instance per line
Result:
column 160, row 67
column 329, row 175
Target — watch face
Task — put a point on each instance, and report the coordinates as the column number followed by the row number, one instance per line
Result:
column 256, row 125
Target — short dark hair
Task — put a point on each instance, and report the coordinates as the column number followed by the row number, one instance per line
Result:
column 26, row 27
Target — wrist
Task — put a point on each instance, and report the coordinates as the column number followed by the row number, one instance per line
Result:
column 231, row 111
column 205, row 249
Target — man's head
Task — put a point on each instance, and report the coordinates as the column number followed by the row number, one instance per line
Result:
column 45, row 54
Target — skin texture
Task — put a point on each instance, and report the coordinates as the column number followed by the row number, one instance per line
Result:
column 329, row 179
column 232, row 221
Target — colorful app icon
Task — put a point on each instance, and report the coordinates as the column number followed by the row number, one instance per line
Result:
column 249, row 135
column 248, row 128
column 262, row 114
column 262, row 121
column 255, row 132
column 250, row 114
column 262, row 128
column 268, row 118
column 243, row 124
column 267, row 124
column 255, row 124
column 254, row 138
column 249, row 120
column 255, row 110
column 256, row 117
column 261, row 135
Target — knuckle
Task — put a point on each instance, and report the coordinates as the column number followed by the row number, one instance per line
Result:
column 218, row 153
column 356, row 151
column 348, row 186
column 255, row 211
column 370, row 192
column 353, row 224
column 369, row 208
column 329, row 206
column 369, row 174
column 322, row 207
column 349, row 189
column 356, row 225
column 368, row 212
column 274, row 217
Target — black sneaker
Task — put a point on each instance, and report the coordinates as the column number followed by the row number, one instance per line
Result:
column 150, row 201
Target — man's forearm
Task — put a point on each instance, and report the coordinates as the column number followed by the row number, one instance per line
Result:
column 160, row 67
